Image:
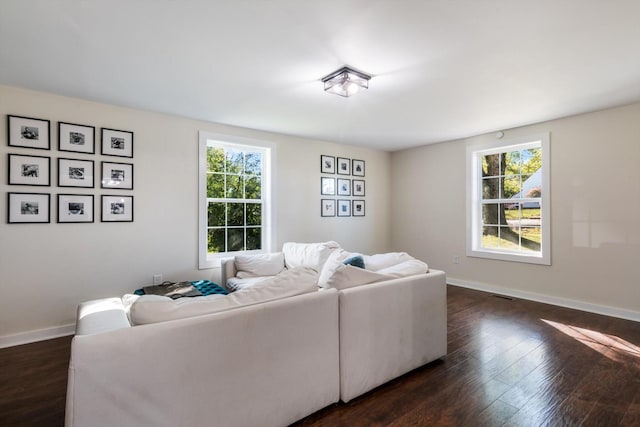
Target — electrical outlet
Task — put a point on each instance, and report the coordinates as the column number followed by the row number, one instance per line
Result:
column 157, row 279
column 456, row 259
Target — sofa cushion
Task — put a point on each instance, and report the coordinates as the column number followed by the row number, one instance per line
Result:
column 259, row 265
column 382, row 261
column 335, row 260
column 406, row 268
column 312, row 255
column 152, row 308
column 348, row 276
column 237, row 283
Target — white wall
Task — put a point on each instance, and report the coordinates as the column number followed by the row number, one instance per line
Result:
column 595, row 214
column 47, row 269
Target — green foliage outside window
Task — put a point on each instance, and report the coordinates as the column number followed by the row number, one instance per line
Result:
column 234, row 196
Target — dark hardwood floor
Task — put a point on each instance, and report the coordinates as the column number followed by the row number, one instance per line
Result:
column 511, row 363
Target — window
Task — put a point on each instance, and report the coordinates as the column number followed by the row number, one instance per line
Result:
column 508, row 200
column 234, row 197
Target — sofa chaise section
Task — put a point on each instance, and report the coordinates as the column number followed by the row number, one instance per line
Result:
column 390, row 328
column 267, row 364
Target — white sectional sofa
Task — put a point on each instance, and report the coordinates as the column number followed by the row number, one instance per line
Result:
column 268, row 354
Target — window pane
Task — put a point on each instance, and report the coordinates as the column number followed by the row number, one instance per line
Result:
column 254, row 238
column 235, row 214
column 491, row 164
column 215, row 186
column 235, row 161
column 512, row 163
column 253, row 163
column 234, row 186
column 253, row 188
column 491, row 188
column 490, row 214
column 215, row 159
column 531, row 160
column 215, row 240
column 235, row 239
column 531, row 238
column 254, row 214
column 490, row 237
column 216, row 216
column 511, row 186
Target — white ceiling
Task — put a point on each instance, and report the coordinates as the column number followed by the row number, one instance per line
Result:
column 443, row 69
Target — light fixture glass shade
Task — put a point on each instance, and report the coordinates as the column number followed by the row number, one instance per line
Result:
column 346, row 82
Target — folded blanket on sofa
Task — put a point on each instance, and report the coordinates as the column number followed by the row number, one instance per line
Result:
column 173, row 290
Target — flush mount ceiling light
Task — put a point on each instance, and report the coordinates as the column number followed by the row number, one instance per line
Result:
column 346, row 82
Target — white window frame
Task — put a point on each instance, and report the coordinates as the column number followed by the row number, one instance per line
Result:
column 475, row 152
column 209, row 260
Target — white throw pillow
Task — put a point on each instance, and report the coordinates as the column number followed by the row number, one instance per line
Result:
column 335, row 260
column 405, row 269
column 154, row 308
column 348, row 276
column 311, row 255
column 259, row 265
column 381, row 261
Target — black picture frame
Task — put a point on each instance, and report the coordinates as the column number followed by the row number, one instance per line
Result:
column 344, row 207
column 116, row 175
column 116, row 208
column 327, row 207
column 327, row 164
column 357, row 168
column 28, row 132
column 327, row 186
column 76, row 173
column 358, row 188
column 76, row 138
column 344, row 187
column 117, row 143
column 28, row 208
column 29, row 170
column 358, row 208
column 344, row 166
column 75, row 208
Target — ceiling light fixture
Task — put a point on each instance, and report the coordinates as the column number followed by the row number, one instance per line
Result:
column 346, row 82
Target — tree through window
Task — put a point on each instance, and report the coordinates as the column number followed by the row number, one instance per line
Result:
column 508, row 200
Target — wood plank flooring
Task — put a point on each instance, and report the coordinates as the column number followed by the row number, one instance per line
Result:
column 511, row 363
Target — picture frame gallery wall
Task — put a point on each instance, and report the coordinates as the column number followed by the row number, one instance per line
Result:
column 74, row 160
column 342, row 187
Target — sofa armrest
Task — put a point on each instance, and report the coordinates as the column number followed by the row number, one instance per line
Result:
column 390, row 328
column 102, row 315
column 227, row 270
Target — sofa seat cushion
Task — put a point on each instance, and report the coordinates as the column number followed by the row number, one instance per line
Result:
column 237, row 283
column 101, row 315
column 152, row 308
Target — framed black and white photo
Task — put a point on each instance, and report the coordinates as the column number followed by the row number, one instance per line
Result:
column 358, row 167
column 75, row 173
column 29, row 170
column 28, row 208
column 29, row 132
column 327, row 186
column 358, row 187
column 117, row 175
column 117, row 143
column 344, row 207
column 117, row 209
column 74, row 208
column 344, row 187
column 344, row 166
column 327, row 164
column 358, row 208
column 76, row 138
column 328, row 207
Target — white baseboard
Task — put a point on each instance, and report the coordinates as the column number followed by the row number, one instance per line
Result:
column 548, row 299
column 37, row 335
